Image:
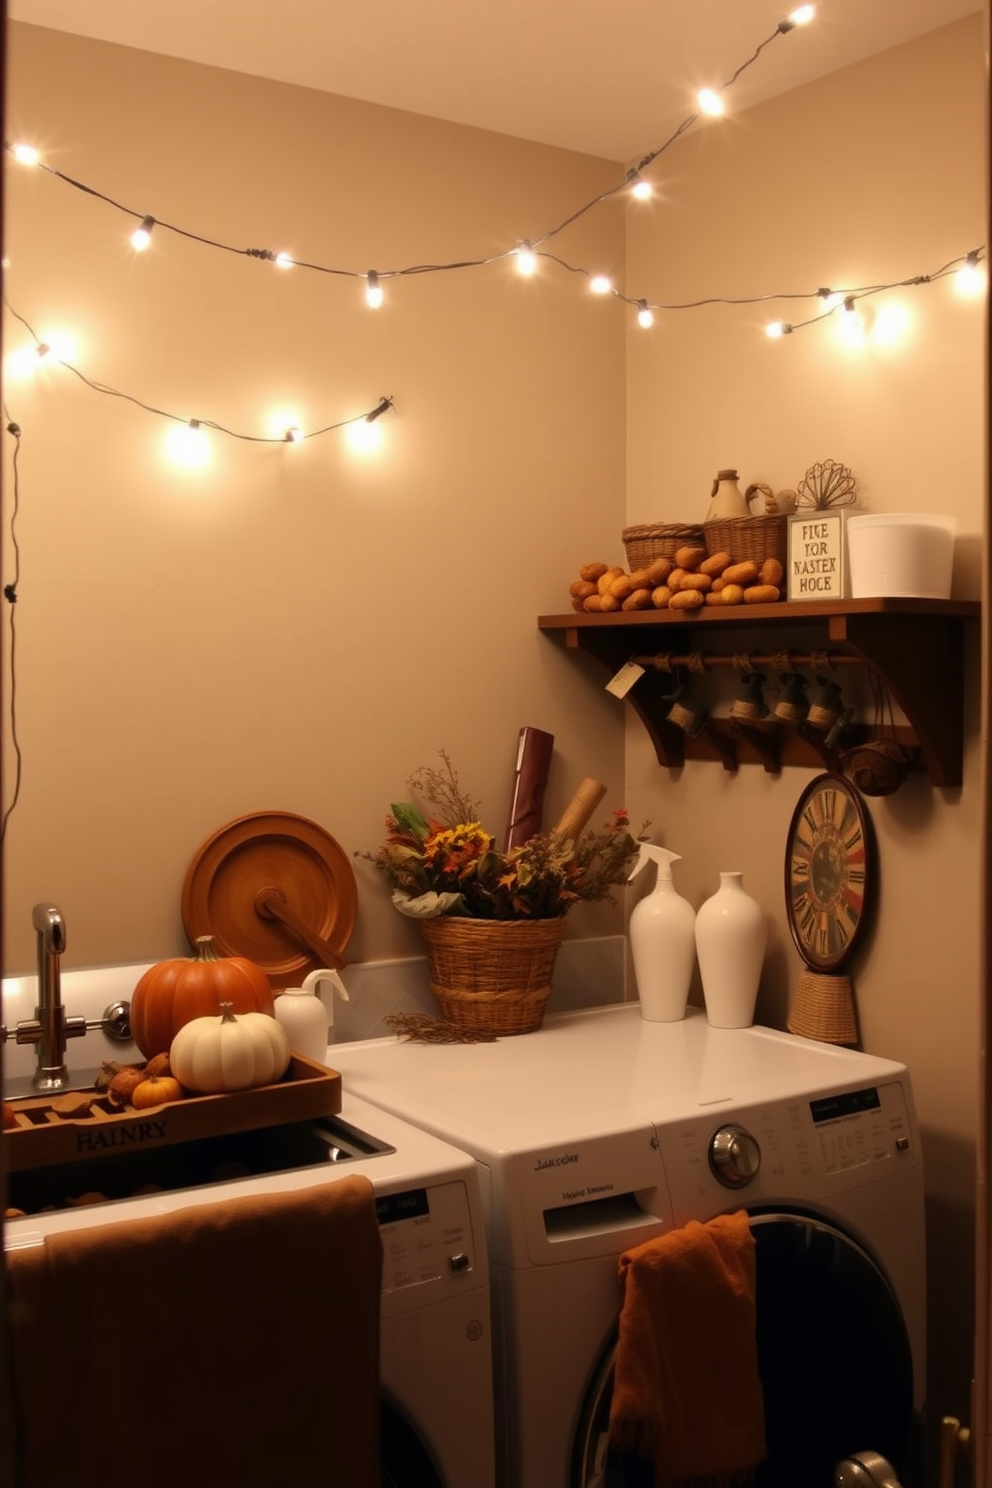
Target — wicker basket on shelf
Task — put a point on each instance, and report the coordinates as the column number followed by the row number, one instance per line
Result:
column 492, row 976
column 744, row 538
column 659, row 540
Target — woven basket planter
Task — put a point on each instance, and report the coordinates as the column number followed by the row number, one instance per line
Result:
column 658, row 540
column 744, row 538
column 492, row 976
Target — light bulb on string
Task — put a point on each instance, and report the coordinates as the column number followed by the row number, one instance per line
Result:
column 970, row 278
column 852, row 324
column 801, row 16
column 600, row 284
column 283, row 260
column 365, row 435
column 645, row 316
column 639, row 187
column 49, row 349
column 142, row 235
column 777, row 328
column 526, row 259
column 292, row 435
column 710, row 102
column 187, row 445
column 25, row 154
column 373, row 290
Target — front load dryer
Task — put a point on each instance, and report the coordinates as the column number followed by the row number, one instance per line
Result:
column 602, row 1130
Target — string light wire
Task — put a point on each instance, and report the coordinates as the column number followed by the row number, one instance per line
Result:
column 383, row 404
column 266, row 254
column 11, row 596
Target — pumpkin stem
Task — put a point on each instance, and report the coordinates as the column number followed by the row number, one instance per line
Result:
column 205, row 948
column 227, row 1013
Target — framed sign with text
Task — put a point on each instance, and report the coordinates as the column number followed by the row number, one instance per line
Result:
column 816, row 556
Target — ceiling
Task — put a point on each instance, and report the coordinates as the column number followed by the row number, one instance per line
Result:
column 610, row 79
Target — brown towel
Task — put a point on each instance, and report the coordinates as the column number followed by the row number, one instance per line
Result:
column 687, row 1395
column 235, row 1342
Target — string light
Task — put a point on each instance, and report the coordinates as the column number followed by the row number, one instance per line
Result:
column 639, row 187
column 142, row 234
column 799, row 17
column 292, row 435
column 187, row 445
column 373, row 290
column 526, row 259
column 283, row 261
column 25, row 154
column 600, row 284
column 970, row 279
column 434, row 268
column 645, row 315
column 710, row 102
column 282, row 425
column 777, row 328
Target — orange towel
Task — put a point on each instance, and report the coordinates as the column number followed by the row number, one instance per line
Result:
column 687, row 1395
column 232, row 1343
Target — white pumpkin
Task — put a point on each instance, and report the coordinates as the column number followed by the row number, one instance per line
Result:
column 215, row 1055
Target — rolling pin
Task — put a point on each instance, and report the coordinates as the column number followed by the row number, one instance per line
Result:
column 580, row 808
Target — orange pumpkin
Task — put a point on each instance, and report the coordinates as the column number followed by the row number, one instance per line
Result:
column 157, row 1090
column 172, row 993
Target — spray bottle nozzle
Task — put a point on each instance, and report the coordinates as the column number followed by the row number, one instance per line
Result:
column 657, row 855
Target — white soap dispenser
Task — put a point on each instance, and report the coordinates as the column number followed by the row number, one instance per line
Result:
column 306, row 1018
column 662, row 933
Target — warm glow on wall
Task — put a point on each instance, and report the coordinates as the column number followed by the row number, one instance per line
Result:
column 364, row 438
column 284, row 424
column 187, row 445
column 892, row 324
column 50, row 348
column 971, row 279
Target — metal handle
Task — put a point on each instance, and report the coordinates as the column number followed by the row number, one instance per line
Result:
column 115, row 1023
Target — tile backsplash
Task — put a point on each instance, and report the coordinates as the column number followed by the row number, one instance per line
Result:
column 588, row 973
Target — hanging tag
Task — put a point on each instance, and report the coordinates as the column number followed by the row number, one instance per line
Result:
column 623, row 681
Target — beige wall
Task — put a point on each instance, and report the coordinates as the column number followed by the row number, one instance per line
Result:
column 296, row 630
column 299, row 631
column 872, row 175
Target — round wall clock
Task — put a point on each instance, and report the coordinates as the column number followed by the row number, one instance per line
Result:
column 829, row 872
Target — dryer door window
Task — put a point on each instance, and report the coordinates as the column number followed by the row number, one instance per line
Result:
column 404, row 1460
column 834, row 1358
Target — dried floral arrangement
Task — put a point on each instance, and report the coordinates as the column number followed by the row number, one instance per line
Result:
column 445, row 862
column 826, row 485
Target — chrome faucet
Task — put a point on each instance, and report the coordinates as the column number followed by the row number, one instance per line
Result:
column 50, row 1029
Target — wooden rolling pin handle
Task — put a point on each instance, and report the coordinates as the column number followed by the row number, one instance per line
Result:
column 271, row 904
column 580, row 808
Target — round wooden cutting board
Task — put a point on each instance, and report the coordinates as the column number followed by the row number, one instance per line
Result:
column 274, row 887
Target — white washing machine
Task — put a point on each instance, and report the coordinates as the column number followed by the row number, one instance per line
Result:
column 436, row 1416
column 601, row 1131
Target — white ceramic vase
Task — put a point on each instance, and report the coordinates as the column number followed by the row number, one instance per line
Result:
column 663, row 949
column 731, row 934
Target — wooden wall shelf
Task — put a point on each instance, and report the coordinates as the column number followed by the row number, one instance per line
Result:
column 915, row 647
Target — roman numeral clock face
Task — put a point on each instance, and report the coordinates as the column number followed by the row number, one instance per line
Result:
column 829, row 872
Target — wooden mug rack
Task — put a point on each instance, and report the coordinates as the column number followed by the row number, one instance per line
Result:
column 914, row 648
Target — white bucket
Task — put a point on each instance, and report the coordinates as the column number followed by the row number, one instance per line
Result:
column 900, row 554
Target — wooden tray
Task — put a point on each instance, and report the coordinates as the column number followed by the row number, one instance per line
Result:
column 43, row 1138
column 274, row 887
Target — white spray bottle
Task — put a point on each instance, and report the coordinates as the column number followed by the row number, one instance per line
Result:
column 307, row 1020
column 662, row 933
